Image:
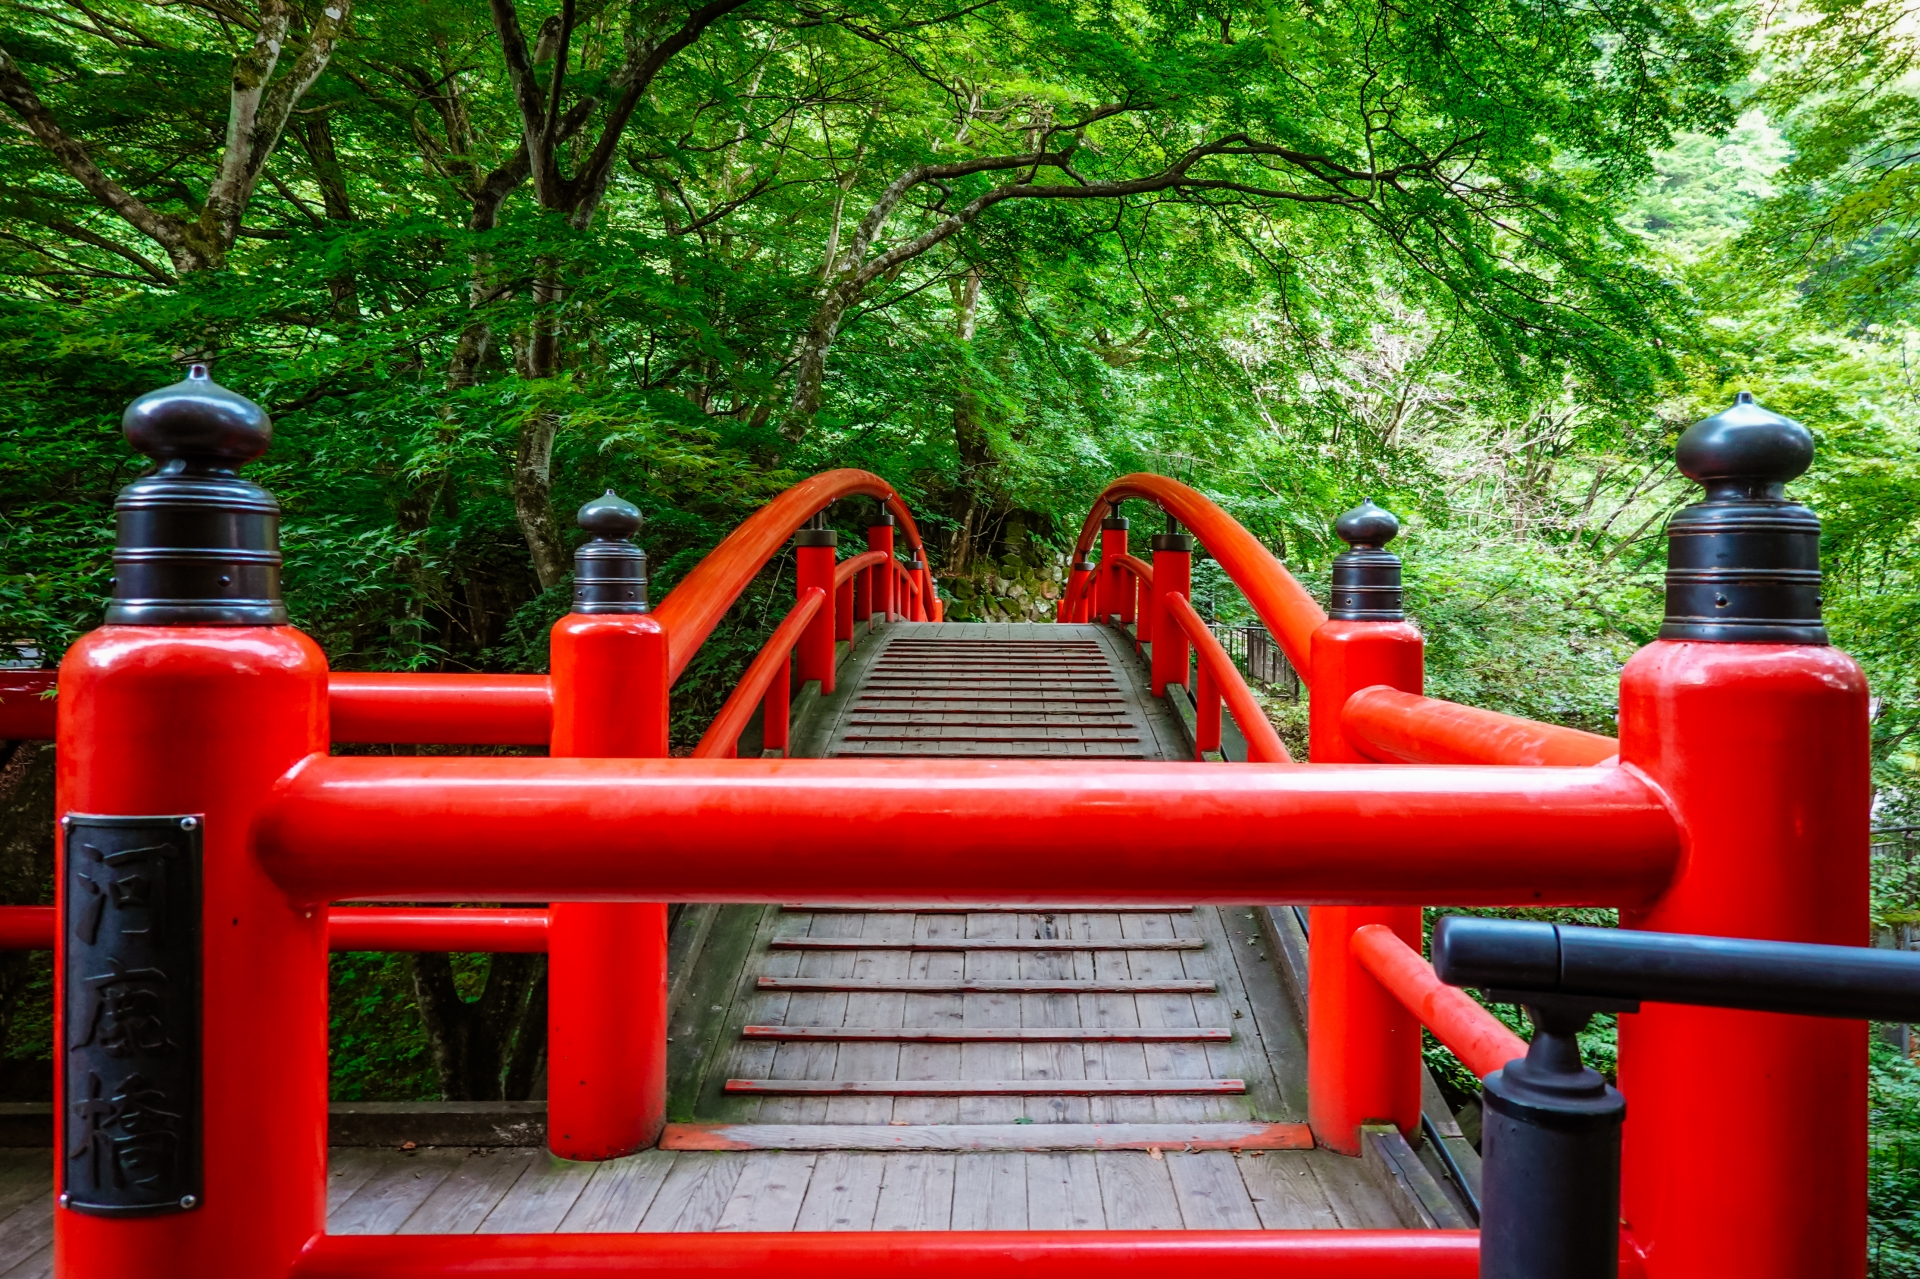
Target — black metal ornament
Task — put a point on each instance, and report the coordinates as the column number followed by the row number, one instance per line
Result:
column 195, row 545
column 1366, row 577
column 1743, row 564
column 609, row 571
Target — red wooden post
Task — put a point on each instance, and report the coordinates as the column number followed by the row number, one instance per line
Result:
column 1115, row 596
column 774, row 709
column 1172, row 574
column 917, row 587
column 175, row 720
column 1079, row 588
column 863, row 596
column 880, row 538
column 1756, row 732
column 1206, row 708
column 814, row 561
column 843, row 609
column 607, row 961
column 1363, row 1046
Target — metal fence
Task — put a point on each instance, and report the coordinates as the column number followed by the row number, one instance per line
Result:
column 1254, row 651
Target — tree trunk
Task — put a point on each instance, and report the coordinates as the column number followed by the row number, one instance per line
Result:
column 533, row 461
column 488, row 1049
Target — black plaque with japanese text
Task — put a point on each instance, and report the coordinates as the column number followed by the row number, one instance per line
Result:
column 132, row 1048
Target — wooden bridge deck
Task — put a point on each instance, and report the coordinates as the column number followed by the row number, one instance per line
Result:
column 928, row 1068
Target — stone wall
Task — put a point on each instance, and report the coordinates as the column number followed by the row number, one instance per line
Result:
column 1011, row 589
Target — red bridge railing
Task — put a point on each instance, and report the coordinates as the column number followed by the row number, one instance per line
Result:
column 193, row 738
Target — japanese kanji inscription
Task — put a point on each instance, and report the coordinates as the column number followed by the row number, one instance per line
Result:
column 132, row 1024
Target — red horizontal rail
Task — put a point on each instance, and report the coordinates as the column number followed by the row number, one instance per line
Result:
column 1263, row 744
column 846, row 568
column 26, row 927
column 723, row 735
column 449, row 710
column 1405, row 728
column 26, row 706
column 354, row 928
column 695, row 606
column 394, row 928
column 1138, row 567
column 1286, row 608
column 1471, row 1033
column 410, row 828
column 1042, row 1254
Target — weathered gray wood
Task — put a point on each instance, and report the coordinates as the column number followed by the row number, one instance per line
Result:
column 932, row 1061
column 25, row 1232
column 769, row 1192
column 698, row 1046
column 843, row 1194
column 694, row 1194
column 472, row 1189
column 1417, row 1197
column 985, row 943
column 541, row 1199
column 986, row 1088
column 37, row 1266
column 1063, row 1192
column 1211, row 1194
column 988, row 1068
column 989, row 1034
column 1285, row 1192
column 1013, row 1136
column 1278, row 1025
column 348, row 1169
column 619, row 1193
column 872, row 1059
column 1064, row 1061
column 1135, row 1189
column 990, row 986
column 990, row 1192
column 922, row 909
column 1357, row 1200
column 391, row 1195
column 916, row 1193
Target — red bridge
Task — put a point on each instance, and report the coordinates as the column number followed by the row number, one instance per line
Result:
column 1032, row 939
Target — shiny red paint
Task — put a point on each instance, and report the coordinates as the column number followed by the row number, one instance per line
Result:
column 1115, row 592
column 1363, row 1047
column 1282, row 604
column 772, row 665
column 419, row 828
column 695, row 606
column 1478, row 1038
column 26, row 927
column 1139, row 592
column 1263, row 744
column 391, row 928
column 880, row 541
column 813, row 654
column 1042, row 1254
column 606, row 962
column 203, row 721
column 444, row 710
column 1073, row 601
column 27, row 705
column 1746, row 1132
column 1385, row 724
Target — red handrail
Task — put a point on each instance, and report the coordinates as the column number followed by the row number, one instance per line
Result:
column 353, row 928
column 1405, row 728
column 449, row 710
column 694, row 607
column 723, row 735
column 26, row 710
column 843, row 571
column 1281, row 603
column 1478, row 1038
column 1138, row 567
column 1263, row 744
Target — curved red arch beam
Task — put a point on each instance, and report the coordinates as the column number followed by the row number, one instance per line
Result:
column 694, row 607
column 1283, row 604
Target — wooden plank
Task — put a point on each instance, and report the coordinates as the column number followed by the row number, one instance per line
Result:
column 987, row 1087
column 991, row 1064
column 619, row 1194
column 1237, row 975
column 718, row 994
column 862, row 1058
column 1279, row 1025
column 1063, row 1191
column 26, row 1232
column 37, row 1266
column 541, row 1199
column 990, row 1192
column 1357, row 1201
column 1116, row 1060
column 966, row 1034
column 1136, row 1190
column 769, row 1192
column 1285, row 1193
column 941, row 908
column 961, row 1137
column 695, row 1193
column 1211, row 1194
column 933, row 1060
column 822, row 1007
column 475, row 1186
column 986, row 943
column 390, row 1196
column 1053, row 1059
column 348, row 1169
column 844, row 1192
column 916, row 1193
column 975, row 986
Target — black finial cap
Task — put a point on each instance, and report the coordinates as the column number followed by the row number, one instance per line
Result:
column 1743, row 564
column 815, row 531
column 199, row 422
column 1367, row 527
column 195, row 545
column 1366, row 577
column 609, row 571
